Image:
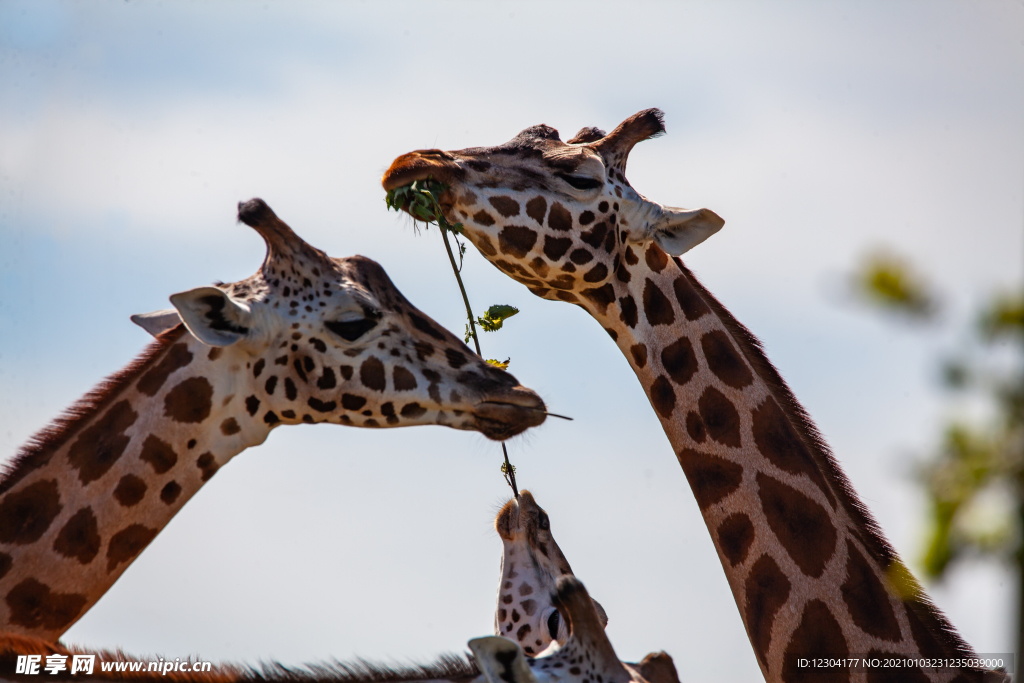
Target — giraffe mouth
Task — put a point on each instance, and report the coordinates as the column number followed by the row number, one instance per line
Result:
column 420, row 165
column 500, row 420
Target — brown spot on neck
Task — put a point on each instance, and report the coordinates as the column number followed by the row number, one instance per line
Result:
column 102, row 443
column 190, row 401
column 679, row 361
column 130, row 490
column 26, row 514
column 818, row 635
column 639, row 353
column 229, row 427
column 711, row 478
column 801, row 525
column 663, row 396
column 177, row 357
column 158, row 454
column 690, row 303
column 720, row 417
column 127, row 543
column 656, row 258
column 724, row 360
column 657, row 307
column 867, row 599
column 207, row 464
column 601, row 297
column 735, row 536
column 80, row 537
column 170, row 492
column 778, row 442
column 767, row 590
column 33, row 605
column 628, row 313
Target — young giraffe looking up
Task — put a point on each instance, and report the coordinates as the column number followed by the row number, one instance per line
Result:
column 307, row 339
column 531, row 564
column 808, row 566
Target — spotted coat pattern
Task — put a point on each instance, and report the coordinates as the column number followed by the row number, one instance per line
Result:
column 587, row 656
column 809, row 568
column 325, row 340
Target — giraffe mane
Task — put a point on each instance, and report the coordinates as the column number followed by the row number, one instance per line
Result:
column 447, row 666
column 41, row 445
column 917, row 601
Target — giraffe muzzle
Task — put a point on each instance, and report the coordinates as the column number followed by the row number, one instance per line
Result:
column 506, row 417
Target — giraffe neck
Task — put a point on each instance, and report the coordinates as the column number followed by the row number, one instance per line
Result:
column 91, row 491
column 809, row 568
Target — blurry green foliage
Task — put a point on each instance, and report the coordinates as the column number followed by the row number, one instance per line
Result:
column 975, row 478
column 889, row 282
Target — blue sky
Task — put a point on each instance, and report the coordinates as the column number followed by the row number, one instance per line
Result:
column 130, row 130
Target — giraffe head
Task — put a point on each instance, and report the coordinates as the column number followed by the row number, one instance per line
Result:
column 333, row 340
column 531, row 564
column 559, row 217
column 586, row 656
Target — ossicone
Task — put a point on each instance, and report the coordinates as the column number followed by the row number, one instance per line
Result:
column 281, row 240
column 637, row 128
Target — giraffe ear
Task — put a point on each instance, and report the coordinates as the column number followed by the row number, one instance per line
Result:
column 678, row 231
column 501, row 660
column 157, row 322
column 602, row 616
column 212, row 316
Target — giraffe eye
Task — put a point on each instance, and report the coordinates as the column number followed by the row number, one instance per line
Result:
column 553, row 625
column 543, row 522
column 350, row 330
column 581, row 182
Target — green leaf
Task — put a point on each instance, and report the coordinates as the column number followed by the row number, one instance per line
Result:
column 501, row 365
column 495, row 316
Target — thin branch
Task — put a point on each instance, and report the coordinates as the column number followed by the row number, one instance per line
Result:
column 422, row 204
column 462, row 288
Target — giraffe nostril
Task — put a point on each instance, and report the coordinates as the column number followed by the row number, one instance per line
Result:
column 435, row 153
column 487, row 379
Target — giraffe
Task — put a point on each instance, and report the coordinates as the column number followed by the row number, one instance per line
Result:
column 586, row 656
column 307, row 339
column 808, row 566
column 531, row 564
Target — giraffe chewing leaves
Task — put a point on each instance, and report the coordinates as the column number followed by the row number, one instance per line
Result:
column 420, row 199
